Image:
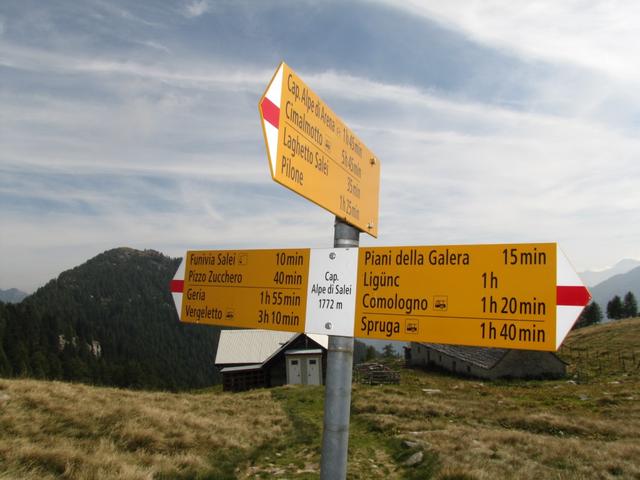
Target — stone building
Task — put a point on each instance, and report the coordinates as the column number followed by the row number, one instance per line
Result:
column 488, row 363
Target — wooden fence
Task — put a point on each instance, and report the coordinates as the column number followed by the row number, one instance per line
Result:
column 375, row 374
column 587, row 361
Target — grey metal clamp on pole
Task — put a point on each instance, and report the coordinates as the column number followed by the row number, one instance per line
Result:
column 337, row 398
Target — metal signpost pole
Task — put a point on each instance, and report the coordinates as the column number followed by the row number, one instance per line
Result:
column 337, row 398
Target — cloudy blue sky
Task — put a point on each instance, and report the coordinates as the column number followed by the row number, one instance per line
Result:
column 136, row 124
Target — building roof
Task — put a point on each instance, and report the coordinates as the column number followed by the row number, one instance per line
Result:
column 479, row 356
column 256, row 346
column 249, row 346
column 242, row 368
column 314, row 351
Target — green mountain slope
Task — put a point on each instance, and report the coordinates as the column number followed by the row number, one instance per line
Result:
column 109, row 321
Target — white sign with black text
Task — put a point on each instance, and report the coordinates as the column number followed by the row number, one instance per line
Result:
column 331, row 291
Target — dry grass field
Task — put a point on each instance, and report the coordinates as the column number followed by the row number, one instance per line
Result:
column 584, row 427
column 58, row 430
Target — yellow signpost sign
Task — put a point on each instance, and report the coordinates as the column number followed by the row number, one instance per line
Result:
column 520, row 296
column 293, row 290
column 245, row 288
column 506, row 296
column 312, row 152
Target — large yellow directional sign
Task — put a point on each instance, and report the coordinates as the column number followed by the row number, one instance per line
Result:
column 520, row 296
column 484, row 295
column 312, row 152
column 245, row 288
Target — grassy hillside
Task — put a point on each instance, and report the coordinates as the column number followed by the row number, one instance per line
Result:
column 603, row 351
column 578, row 428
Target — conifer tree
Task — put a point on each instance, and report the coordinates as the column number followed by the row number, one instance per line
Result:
column 591, row 315
column 614, row 308
column 630, row 305
column 371, row 353
column 388, row 351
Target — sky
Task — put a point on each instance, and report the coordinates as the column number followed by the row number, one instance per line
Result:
column 136, row 124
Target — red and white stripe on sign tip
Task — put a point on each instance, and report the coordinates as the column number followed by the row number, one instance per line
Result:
column 572, row 296
column 270, row 108
column 177, row 286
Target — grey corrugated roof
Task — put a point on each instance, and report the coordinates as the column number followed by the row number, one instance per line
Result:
column 256, row 346
column 249, row 346
column 478, row 356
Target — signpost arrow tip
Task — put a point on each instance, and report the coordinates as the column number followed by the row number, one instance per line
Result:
column 177, row 287
column 572, row 296
column 269, row 107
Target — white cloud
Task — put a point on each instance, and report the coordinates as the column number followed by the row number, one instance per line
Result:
column 600, row 35
column 121, row 13
column 453, row 170
column 518, row 176
column 196, row 8
column 176, row 73
column 155, row 46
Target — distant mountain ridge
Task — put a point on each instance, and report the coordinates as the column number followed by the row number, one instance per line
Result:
column 593, row 278
column 13, row 295
column 617, row 285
